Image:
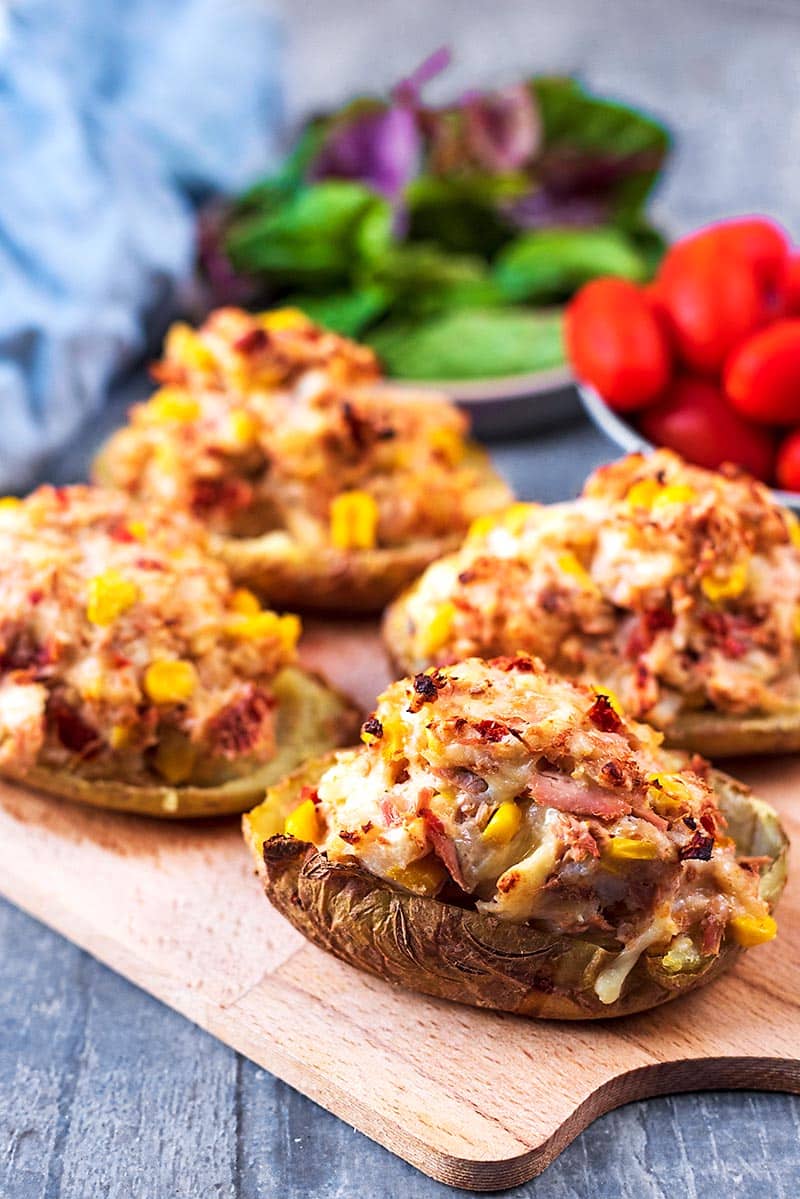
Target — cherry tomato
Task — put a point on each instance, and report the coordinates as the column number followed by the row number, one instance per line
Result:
column 758, row 241
column 694, row 419
column 793, row 286
column 616, row 343
column 762, row 377
column 787, row 466
column 711, row 300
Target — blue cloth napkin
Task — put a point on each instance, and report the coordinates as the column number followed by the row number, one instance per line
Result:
column 117, row 119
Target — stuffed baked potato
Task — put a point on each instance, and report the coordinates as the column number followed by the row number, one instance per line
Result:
column 133, row 675
column 510, row 839
column 323, row 486
column 676, row 587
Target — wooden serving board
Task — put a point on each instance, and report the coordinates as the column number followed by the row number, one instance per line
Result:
column 472, row 1098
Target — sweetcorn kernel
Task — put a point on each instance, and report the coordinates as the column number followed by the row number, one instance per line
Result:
column 353, row 521
column 170, row 681
column 283, row 318
column 727, row 586
column 257, row 626
column 643, row 493
column 668, row 792
column 612, row 698
column 436, row 632
column 792, row 524
column 304, row 823
column 120, row 736
column 137, row 529
column 171, row 405
column 449, row 443
column 752, row 930
column 674, row 493
column 242, row 426
column 9, row 503
column 569, row 564
column 109, row 596
column 175, row 757
column 423, row 877
column 482, row 526
column 515, row 517
column 631, row 849
column 185, row 346
column 245, row 602
column 504, row 824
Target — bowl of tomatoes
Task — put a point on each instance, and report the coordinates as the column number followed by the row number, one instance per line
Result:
column 705, row 359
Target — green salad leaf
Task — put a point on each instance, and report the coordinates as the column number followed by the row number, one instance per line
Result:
column 550, row 264
column 472, row 343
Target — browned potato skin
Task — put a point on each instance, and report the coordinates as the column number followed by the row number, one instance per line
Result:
column 459, row 954
column 312, row 718
column 712, row 734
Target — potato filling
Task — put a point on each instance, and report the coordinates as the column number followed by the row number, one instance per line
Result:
column 124, row 650
column 678, row 587
column 268, row 423
column 500, row 784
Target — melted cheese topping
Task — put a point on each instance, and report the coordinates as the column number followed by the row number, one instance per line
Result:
column 676, row 586
column 122, row 641
column 261, row 427
column 610, row 834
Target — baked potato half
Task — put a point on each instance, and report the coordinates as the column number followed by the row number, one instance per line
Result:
column 134, row 676
column 323, row 486
column 663, row 873
column 676, row 588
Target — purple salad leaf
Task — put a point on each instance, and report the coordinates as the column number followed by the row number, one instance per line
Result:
column 408, row 91
column 379, row 148
column 503, row 129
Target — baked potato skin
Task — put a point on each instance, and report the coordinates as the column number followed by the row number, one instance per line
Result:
column 713, row 734
column 312, row 718
column 459, row 954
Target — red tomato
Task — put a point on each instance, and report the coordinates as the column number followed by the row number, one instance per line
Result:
column 616, row 343
column 762, row 377
column 694, row 419
column 793, row 286
column 711, row 300
column 758, row 241
column 787, row 467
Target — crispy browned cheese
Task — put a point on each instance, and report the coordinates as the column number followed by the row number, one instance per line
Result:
column 311, row 719
column 457, row 953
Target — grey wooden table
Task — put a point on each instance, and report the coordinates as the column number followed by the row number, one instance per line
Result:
column 106, row 1094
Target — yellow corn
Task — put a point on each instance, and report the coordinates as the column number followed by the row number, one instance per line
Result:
column 436, row 632
column 482, row 526
column 120, row 736
column 353, row 521
column 170, row 681
column 449, row 443
column 185, row 346
column 515, row 517
column 9, row 503
column 667, row 791
column 631, row 849
column 727, row 586
column 283, row 318
column 423, row 877
column 792, row 524
column 674, row 493
column 569, row 564
column 504, row 824
column 258, row 626
column 109, row 596
column 171, row 405
column 243, row 427
column 245, row 602
column 643, row 493
column 752, row 930
column 137, row 529
column 304, row 823
column 175, row 757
